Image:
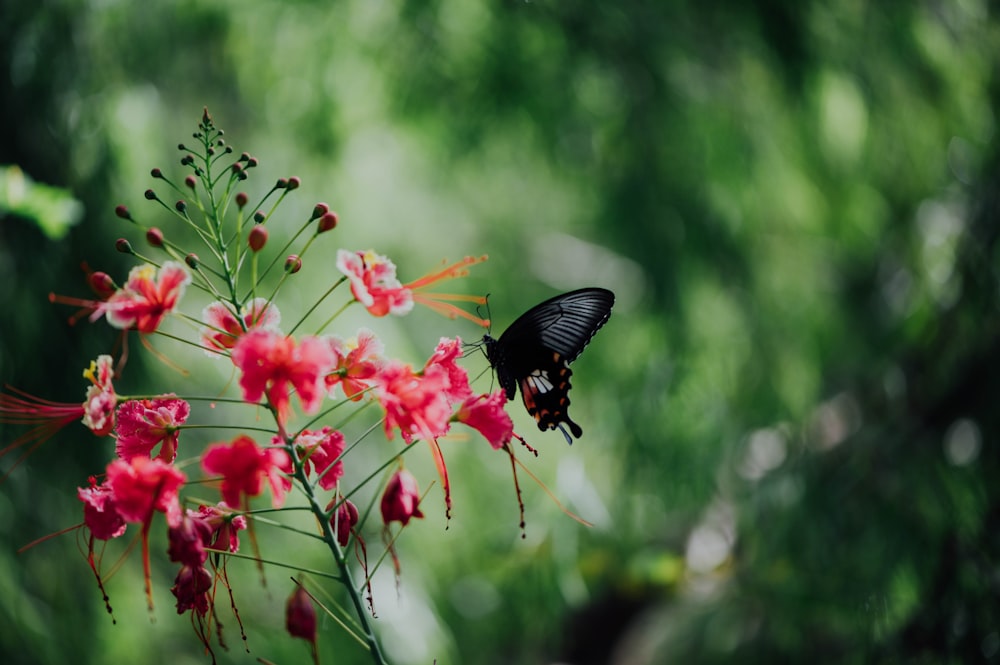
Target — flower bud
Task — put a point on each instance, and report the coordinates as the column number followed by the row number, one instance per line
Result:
column 401, row 499
column 181, row 206
column 293, row 264
column 259, row 217
column 190, row 181
column 154, row 237
column 300, row 615
column 192, row 261
column 102, row 284
column 252, row 162
column 150, row 195
column 257, row 238
column 123, row 246
column 294, row 182
column 186, row 160
column 320, row 210
column 156, row 173
column 327, row 222
column 281, row 184
column 244, row 156
column 123, row 212
column 237, row 168
column 344, row 520
column 241, row 199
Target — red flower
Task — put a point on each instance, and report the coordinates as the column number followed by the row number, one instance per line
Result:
column 447, row 351
column 344, row 519
column 271, row 363
column 320, row 450
column 225, row 526
column 356, row 363
column 401, row 499
column 223, row 328
column 191, row 589
column 374, row 285
column 144, row 423
column 244, row 467
column 485, row 413
column 99, row 512
column 187, row 540
column 146, row 298
column 300, row 616
column 416, row 404
column 139, row 488
column 142, row 486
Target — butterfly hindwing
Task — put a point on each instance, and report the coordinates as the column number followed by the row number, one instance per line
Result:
column 534, row 353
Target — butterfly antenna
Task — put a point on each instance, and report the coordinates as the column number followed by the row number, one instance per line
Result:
column 488, row 317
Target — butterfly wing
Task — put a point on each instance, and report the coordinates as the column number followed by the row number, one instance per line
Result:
column 533, row 354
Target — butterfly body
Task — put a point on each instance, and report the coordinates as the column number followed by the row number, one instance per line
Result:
column 534, row 353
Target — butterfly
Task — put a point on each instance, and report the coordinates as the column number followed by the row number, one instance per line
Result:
column 534, row 353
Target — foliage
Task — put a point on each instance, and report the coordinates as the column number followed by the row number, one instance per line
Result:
column 790, row 448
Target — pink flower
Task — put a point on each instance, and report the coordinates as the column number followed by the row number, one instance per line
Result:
column 223, row 328
column 146, row 297
column 356, row 363
column 374, row 285
column 401, row 499
column 447, row 351
column 100, row 402
column 99, row 513
column 485, row 413
column 321, row 449
column 144, row 423
column 271, row 363
column 48, row 417
column 415, row 404
column 141, row 486
column 244, row 467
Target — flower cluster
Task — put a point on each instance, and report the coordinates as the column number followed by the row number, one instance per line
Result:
column 299, row 379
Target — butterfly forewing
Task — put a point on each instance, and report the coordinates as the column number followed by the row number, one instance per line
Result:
column 533, row 354
column 564, row 323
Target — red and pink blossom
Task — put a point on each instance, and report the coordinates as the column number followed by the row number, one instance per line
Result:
column 486, row 414
column 99, row 512
column 375, row 285
column 356, row 363
column 321, row 450
column 244, row 467
column 147, row 297
column 416, row 404
column 272, row 364
column 223, row 328
column 144, row 423
column 142, row 486
column 443, row 358
column 99, row 404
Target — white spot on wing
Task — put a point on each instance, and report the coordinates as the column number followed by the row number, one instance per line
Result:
column 539, row 381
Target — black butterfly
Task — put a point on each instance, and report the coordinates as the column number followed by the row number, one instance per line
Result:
column 536, row 350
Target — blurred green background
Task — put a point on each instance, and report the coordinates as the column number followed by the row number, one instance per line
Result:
column 791, row 423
